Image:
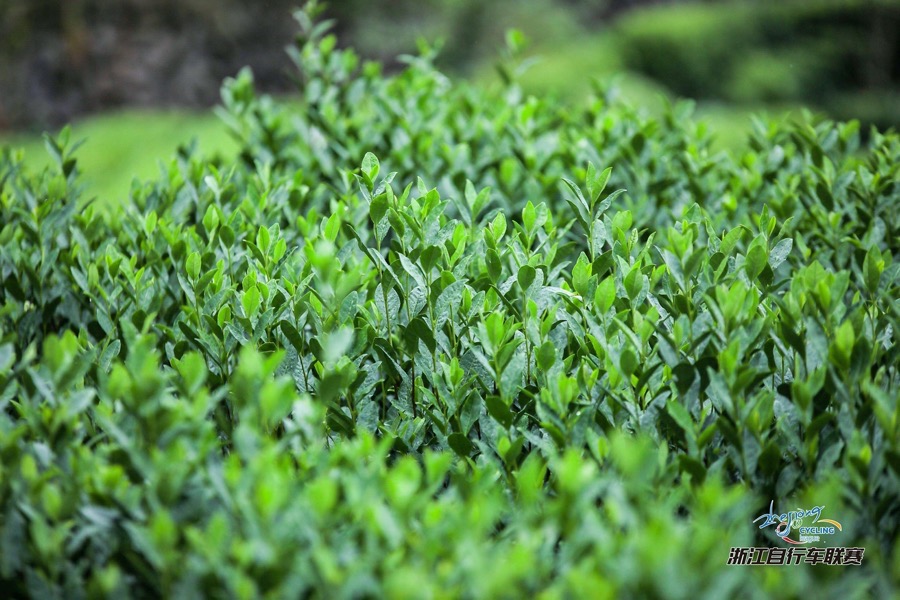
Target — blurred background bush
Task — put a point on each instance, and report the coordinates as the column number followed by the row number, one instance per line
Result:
column 63, row 59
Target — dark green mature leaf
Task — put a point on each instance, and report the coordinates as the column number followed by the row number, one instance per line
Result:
column 493, row 265
column 546, row 356
column 419, row 330
column 460, row 444
column 526, row 276
column 873, row 268
column 499, row 410
column 756, row 259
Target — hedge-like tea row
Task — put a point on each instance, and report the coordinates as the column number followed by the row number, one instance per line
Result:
column 471, row 366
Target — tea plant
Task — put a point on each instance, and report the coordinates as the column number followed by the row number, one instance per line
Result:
column 429, row 340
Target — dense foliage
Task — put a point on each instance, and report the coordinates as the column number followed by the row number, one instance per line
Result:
column 417, row 342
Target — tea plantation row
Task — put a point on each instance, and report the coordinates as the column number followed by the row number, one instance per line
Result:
column 418, row 342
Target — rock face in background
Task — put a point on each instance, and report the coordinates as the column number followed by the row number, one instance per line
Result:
column 59, row 59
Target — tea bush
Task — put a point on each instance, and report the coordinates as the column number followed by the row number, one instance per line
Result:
column 424, row 340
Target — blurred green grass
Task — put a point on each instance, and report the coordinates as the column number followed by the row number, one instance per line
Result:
column 121, row 146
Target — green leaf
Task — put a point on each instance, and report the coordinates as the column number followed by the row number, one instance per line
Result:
column 448, row 300
column 844, row 339
column 529, row 216
column 780, row 252
column 192, row 265
column 413, row 270
column 634, row 282
column 370, row 166
column 498, row 226
column 54, row 149
column 211, row 219
column 419, row 330
column 493, row 265
column 460, row 444
column 756, row 258
column 681, row 416
column 226, row 234
column 255, row 251
column 150, row 222
column 507, row 351
column 279, row 250
column 192, row 368
column 224, row 316
column 546, row 356
column 293, row 336
column 581, row 274
column 605, row 294
column 332, row 228
column 578, row 204
column 873, row 267
column 7, row 357
column 335, row 345
column 429, row 258
column 498, row 409
column 106, row 358
column 275, row 401
column 731, row 239
column 526, row 276
column 378, row 208
column 596, row 183
column 628, row 361
column 251, row 300
column 263, row 240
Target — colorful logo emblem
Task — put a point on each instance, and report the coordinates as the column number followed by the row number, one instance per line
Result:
column 787, row 522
